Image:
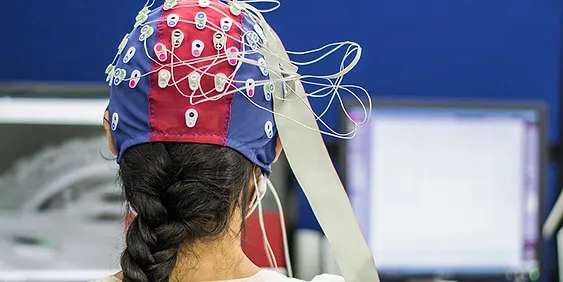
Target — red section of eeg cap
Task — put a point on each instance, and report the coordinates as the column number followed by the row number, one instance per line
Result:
column 167, row 106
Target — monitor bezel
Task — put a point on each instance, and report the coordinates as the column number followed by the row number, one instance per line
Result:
column 539, row 107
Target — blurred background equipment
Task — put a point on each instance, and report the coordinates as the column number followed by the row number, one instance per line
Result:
column 450, row 190
column 60, row 208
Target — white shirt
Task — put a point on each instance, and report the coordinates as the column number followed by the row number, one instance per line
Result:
column 265, row 275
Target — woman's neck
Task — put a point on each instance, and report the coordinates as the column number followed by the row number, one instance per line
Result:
column 215, row 260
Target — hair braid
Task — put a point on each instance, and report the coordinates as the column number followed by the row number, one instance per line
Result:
column 181, row 192
column 154, row 238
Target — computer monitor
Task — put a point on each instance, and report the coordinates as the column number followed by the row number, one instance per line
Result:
column 449, row 189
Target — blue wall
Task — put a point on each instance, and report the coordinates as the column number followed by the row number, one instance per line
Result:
column 484, row 49
column 492, row 49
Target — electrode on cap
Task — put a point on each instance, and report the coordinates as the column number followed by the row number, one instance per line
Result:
column 219, row 40
column 197, row 48
column 204, row 3
column 119, row 76
column 164, row 78
column 146, row 32
column 194, row 80
column 263, row 67
column 226, row 24
column 177, row 38
column 191, row 117
column 172, row 20
column 129, row 55
column 160, row 51
column 269, row 129
column 200, row 20
column 250, row 84
column 114, row 121
column 220, row 82
column 134, row 80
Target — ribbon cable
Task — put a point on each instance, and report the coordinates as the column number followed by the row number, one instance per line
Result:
column 554, row 218
column 309, row 159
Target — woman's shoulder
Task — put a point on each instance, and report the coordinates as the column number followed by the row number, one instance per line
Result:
column 322, row 278
column 328, row 278
column 270, row 275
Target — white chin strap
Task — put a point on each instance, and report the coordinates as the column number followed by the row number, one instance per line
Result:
column 312, row 166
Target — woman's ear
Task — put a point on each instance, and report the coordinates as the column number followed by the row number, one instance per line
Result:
column 109, row 135
column 279, row 149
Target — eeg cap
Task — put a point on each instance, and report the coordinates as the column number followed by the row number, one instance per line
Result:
column 169, row 80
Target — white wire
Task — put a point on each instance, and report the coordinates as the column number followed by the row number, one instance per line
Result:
column 256, row 199
column 284, row 231
column 276, row 2
column 259, row 83
column 267, row 247
column 332, row 89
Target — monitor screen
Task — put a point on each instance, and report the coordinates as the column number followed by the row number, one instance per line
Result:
column 448, row 190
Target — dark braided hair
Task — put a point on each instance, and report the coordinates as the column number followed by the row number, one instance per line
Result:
column 182, row 192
